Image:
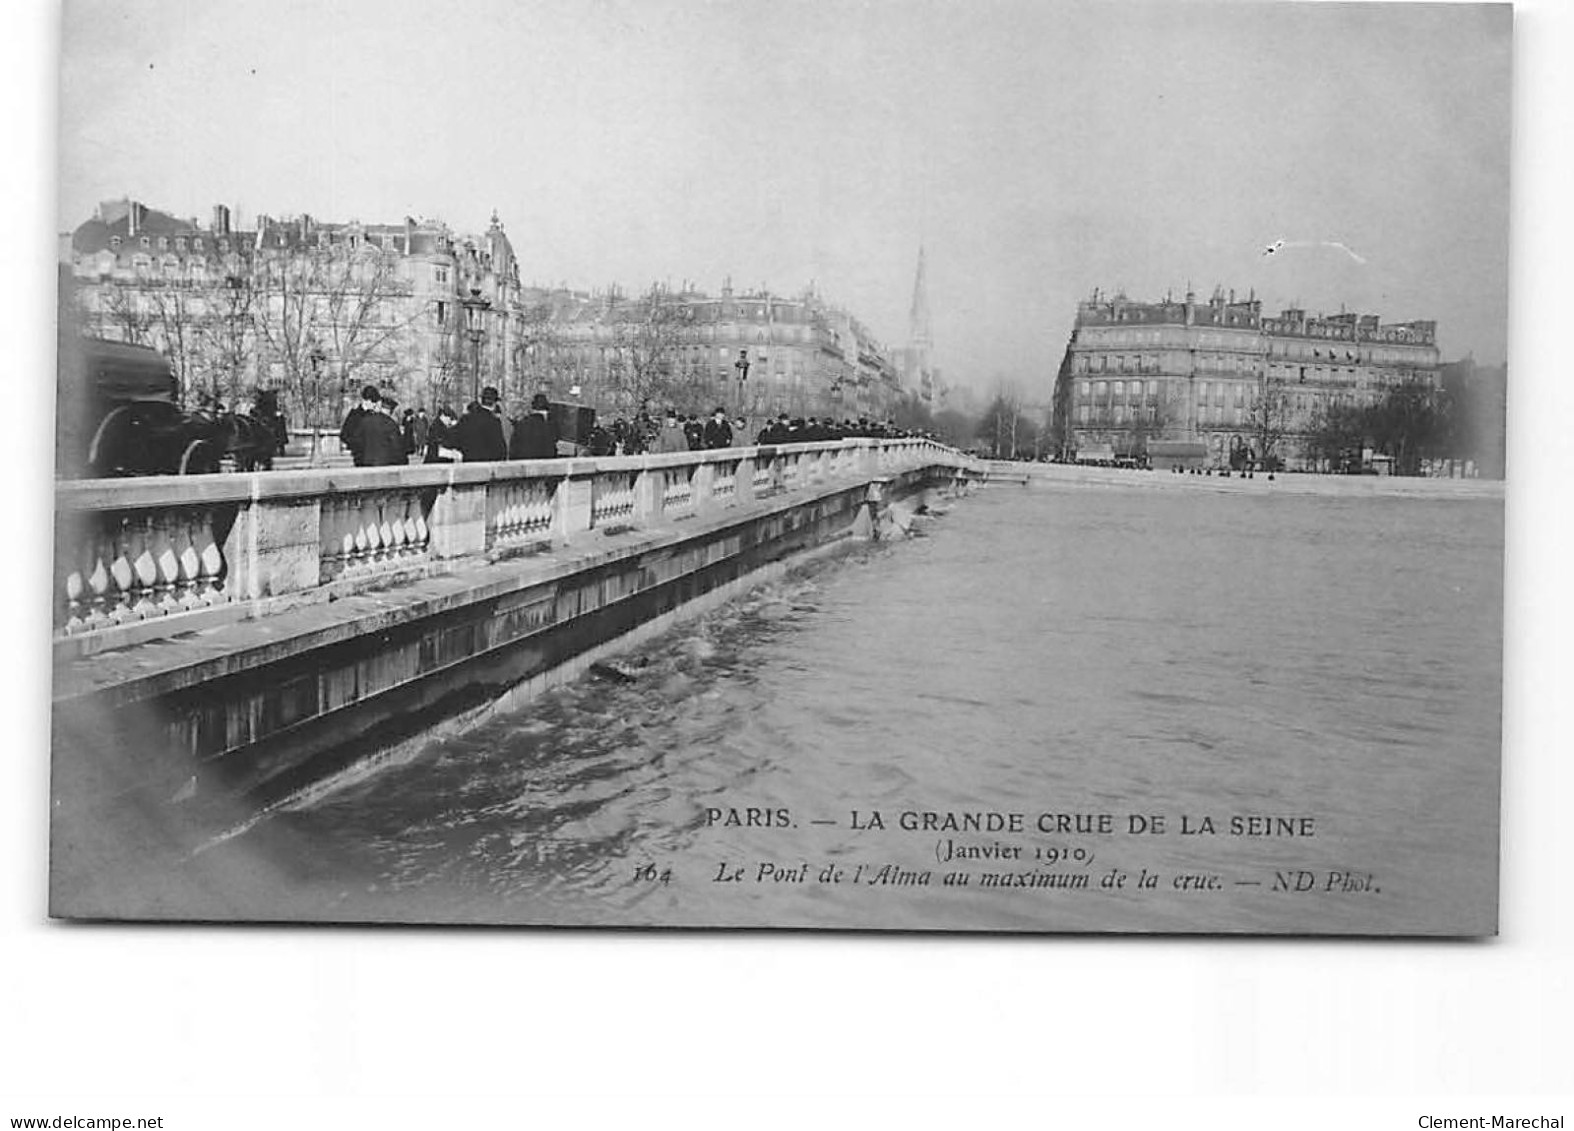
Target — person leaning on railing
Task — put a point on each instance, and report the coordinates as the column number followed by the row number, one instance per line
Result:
column 534, row 437
column 479, row 435
column 440, row 443
column 382, row 442
column 351, row 436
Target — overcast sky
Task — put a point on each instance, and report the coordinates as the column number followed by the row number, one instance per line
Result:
column 1036, row 150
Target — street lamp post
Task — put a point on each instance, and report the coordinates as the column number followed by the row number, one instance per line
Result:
column 742, row 366
column 317, row 357
column 475, row 321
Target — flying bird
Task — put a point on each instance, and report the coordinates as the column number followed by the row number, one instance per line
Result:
column 1282, row 245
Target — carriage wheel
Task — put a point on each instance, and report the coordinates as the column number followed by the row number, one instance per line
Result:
column 109, row 436
column 198, row 458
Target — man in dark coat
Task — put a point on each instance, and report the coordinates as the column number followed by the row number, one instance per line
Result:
column 694, row 432
column 599, row 441
column 350, row 437
column 440, row 437
column 382, row 442
column 776, row 432
column 718, row 433
column 479, row 434
column 534, row 437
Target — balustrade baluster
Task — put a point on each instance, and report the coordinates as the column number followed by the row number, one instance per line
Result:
column 327, row 536
column 383, row 528
column 513, row 506
column 146, row 571
column 413, row 538
column 190, row 564
column 365, row 532
column 122, row 575
column 168, row 563
column 75, row 619
column 497, row 504
column 98, row 582
column 212, row 558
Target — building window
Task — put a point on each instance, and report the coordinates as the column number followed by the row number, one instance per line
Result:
column 441, row 275
column 1082, row 414
column 442, row 313
column 1153, row 390
column 1087, row 387
column 146, row 243
column 1100, row 388
column 1120, row 414
column 114, row 243
column 1120, row 388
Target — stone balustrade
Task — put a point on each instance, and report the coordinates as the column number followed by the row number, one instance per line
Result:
column 138, row 559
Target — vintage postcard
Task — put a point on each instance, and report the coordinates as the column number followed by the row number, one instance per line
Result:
column 1020, row 467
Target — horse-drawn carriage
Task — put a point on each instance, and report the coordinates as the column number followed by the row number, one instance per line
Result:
column 119, row 413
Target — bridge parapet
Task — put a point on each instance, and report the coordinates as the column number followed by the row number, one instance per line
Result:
column 141, row 559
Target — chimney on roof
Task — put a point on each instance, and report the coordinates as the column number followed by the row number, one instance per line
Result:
column 221, row 220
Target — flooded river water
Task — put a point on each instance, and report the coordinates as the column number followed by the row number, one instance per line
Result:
column 1224, row 710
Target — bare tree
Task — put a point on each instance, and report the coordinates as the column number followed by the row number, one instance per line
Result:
column 227, row 329
column 1269, row 420
column 126, row 310
column 366, row 314
column 332, row 320
column 177, row 311
column 1001, row 424
column 1150, row 420
column 646, row 362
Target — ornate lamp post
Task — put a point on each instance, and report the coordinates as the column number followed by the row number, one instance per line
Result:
column 742, row 366
column 317, row 357
column 475, row 321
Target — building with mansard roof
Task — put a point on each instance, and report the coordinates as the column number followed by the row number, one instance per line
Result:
column 1202, row 371
column 682, row 348
column 313, row 308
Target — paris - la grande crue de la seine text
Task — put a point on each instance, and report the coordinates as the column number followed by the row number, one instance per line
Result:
column 1013, row 850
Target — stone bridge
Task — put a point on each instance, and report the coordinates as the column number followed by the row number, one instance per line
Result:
column 251, row 636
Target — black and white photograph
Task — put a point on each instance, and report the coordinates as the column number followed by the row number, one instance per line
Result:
column 767, row 563
column 1036, row 468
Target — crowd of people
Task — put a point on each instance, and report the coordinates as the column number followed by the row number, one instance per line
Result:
column 376, row 434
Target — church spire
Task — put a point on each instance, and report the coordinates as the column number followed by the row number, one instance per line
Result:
column 919, row 331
